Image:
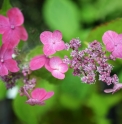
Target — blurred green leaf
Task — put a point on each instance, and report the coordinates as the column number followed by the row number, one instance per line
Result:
column 70, row 102
column 2, row 90
column 102, row 103
column 62, row 15
column 97, row 33
column 5, row 7
column 88, row 13
column 73, row 86
column 107, row 7
column 103, row 120
column 34, row 52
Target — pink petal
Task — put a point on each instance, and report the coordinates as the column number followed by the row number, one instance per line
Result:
column 11, row 65
column 4, row 24
column 59, row 46
column 11, row 36
column 47, row 66
column 15, row 17
column 8, row 53
column 3, row 49
column 109, row 39
column 46, row 37
column 37, row 62
column 38, row 93
column 23, row 33
column 49, row 94
column 57, row 35
column 54, row 62
column 58, row 74
column 35, row 102
column 119, row 39
column 117, row 51
column 3, row 70
column 63, row 67
column 48, row 49
column 108, row 90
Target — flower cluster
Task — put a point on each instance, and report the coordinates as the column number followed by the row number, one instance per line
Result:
column 52, row 42
column 10, row 71
column 93, row 61
column 86, row 63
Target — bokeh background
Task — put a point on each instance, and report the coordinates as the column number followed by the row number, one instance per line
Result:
column 74, row 102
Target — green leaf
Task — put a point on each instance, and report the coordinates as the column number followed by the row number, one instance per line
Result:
column 70, row 102
column 2, row 90
column 111, row 9
column 62, row 15
column 102, row 103
column 73, row 86
column 5, row 7
column 34, row 52
column 97, row 33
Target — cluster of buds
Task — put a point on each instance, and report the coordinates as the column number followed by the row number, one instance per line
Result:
column 90, row 62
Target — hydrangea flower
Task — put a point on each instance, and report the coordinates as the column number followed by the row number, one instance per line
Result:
column 11, row 27
column 38, row 96
column 52, row 42
column 6, row 61
column 58, row 67
column 54, row 65
column 113, row 42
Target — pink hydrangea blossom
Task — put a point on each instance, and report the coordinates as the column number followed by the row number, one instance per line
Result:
column 113, row 42
column 58, row 67
column 11, row 27
column 52, row 42
column 6, row 61
column 117, row 86
column 54, row 65
column 38, row 96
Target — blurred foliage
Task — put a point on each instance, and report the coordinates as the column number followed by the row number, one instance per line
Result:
column 74, row 102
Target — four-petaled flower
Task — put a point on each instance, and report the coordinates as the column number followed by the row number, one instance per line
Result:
column 6, row 61
column 52, row 42
column 57, row 67
column 113, row 42
column 11, row 27
column 38, row 96
column 54, row 65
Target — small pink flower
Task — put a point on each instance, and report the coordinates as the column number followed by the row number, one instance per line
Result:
column 54, row 65
column 52, row 42
column 38, row 62
column 6, row 61
column 117, row 86
column 38, row 96
column 58, row 67
column 113, row 42
column 11, row 27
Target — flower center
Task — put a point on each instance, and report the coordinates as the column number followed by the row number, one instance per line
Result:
column 12, row 27
column 53, row 42
column 2, row 60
